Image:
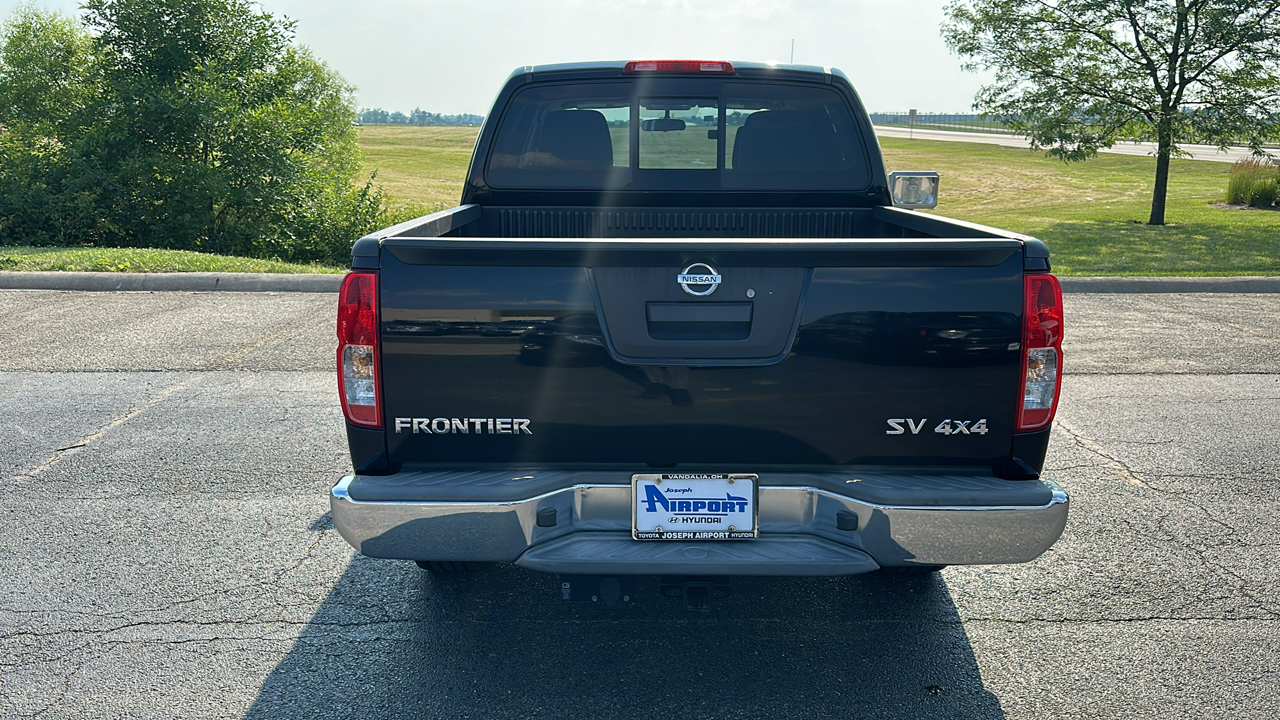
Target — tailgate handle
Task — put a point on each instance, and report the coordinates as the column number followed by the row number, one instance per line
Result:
column 699, row 322
column 674, row 312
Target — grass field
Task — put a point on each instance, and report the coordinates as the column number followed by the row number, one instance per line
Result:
column 1092, row 214
column 141, row 260
column 418, row 166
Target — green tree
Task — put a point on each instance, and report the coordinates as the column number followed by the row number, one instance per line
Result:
column 48, row 88
column 186, row 124
column 1078, row 75
column 221, row 135
column 47, row 72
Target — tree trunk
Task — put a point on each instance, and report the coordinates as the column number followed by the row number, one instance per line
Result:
column 1164, row 146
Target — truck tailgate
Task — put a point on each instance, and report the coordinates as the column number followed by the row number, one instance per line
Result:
column 570, row 352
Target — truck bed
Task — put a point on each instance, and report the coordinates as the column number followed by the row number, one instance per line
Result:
column 477, row 221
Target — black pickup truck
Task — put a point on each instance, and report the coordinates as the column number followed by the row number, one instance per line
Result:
column 678, row 327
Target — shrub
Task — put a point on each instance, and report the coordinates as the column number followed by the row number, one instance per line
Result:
column 1264, row 193
column 178, row 124
column 1253, row 182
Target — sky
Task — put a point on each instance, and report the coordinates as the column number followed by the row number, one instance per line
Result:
column 451, row 56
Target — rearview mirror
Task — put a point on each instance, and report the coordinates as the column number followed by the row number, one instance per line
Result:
column 912, row 190
column 662, row 124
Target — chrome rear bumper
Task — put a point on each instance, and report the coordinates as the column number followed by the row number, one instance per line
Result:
column 798, row 529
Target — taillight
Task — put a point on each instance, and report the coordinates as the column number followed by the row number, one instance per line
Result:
column 358, row 350
column 1041, row 351
column 695, row 67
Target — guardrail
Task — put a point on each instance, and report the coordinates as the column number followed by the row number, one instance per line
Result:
column 961, row 122
column 943, row 121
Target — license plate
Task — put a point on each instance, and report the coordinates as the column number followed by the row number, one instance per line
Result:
column 694, row 506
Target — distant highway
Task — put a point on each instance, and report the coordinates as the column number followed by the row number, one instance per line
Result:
column 1198, row 152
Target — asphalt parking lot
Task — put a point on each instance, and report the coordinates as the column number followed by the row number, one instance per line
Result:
column 166, row 550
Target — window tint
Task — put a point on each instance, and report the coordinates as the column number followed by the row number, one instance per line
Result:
column 758, row 136
column 783, row 138
column 734, row 119
column 564, row 136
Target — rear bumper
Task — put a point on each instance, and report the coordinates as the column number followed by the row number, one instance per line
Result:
column 958, row 520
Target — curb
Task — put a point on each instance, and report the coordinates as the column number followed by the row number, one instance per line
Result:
column 178, row 281
column 1245, row 284
column 318, row 283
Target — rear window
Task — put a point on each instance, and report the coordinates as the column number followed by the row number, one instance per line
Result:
column 682, row 135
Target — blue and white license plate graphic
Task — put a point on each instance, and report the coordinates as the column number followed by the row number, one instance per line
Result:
column 694, row 507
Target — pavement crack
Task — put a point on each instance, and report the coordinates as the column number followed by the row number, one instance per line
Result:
column 279, row 576
column 1242, row 583
column 1125, row 471
column 101, row 432
column 1116, row 464
column 63, row 692
column 1064, row 468
column 145, row 624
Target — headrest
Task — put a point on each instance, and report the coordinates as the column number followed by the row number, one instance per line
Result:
column 578, row 137
column 785, row 140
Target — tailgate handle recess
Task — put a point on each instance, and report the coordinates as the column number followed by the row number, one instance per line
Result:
column 699, row 312
column 699, row 321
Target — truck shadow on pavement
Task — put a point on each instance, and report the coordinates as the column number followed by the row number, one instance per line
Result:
column 393, row 641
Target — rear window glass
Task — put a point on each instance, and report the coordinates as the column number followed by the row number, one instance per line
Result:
column 697, row 136
column 678, row 133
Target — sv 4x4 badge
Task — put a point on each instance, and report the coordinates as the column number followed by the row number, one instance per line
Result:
column 946, row 427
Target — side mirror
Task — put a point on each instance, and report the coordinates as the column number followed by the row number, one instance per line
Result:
column 662, row 124
column 912, row 190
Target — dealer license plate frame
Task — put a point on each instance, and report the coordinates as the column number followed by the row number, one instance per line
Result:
column 707, row 480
